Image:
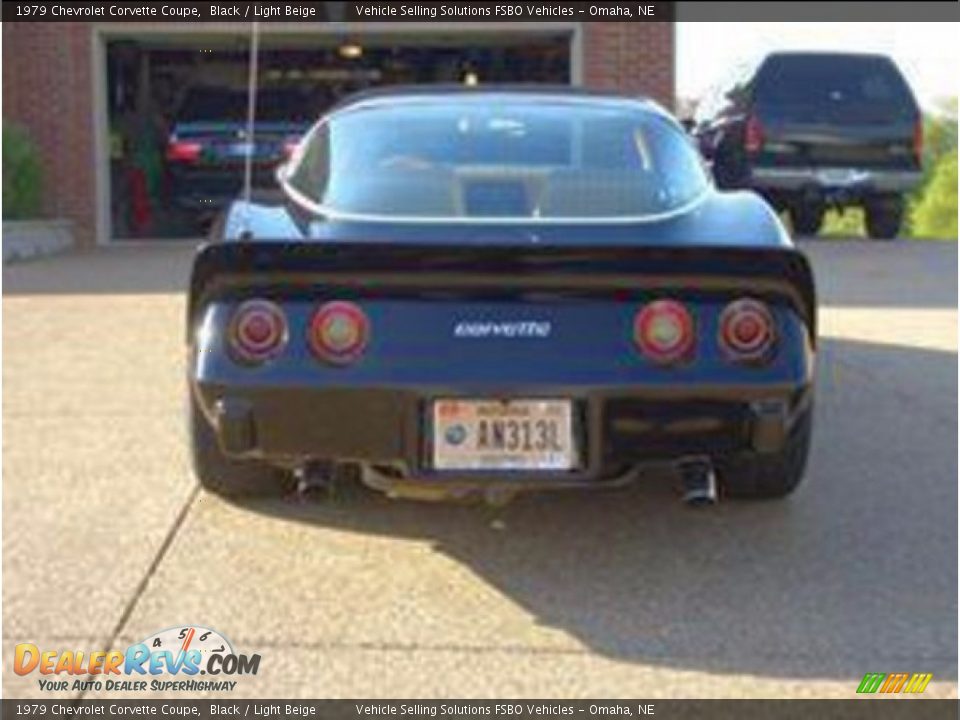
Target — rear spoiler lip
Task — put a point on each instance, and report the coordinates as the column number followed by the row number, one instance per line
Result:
column 783, row 270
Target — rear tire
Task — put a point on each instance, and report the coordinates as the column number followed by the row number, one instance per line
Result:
column 884, row 217
column 776, row 475
column 806, row 218
column 224, row 476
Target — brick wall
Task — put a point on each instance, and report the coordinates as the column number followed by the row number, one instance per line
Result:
column 47, row 89
column 632, row 58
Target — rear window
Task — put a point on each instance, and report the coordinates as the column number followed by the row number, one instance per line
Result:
column 226, row 105
column 859, row 87
column 514, row 159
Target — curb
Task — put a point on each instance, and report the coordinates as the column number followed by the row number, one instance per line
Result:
column 29, row 239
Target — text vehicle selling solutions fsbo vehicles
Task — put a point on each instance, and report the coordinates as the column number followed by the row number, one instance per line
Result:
column 484, row 290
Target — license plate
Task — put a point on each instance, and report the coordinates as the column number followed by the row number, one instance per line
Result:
column 241, row 149
column 503, row 435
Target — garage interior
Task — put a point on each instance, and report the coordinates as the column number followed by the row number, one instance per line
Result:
column 149, row 76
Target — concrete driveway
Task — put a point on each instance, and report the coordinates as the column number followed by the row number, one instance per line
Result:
column 628, row 594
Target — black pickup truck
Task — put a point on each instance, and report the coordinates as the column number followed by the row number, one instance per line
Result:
column 811, row 131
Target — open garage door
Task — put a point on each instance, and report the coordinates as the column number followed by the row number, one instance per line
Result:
column 176, row 106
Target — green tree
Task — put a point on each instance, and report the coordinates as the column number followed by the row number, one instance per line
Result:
column 21, row 175
column 935, row 213
column 940, row 131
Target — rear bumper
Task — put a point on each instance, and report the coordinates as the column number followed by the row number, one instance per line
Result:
column 615, row 429
column 855, row 182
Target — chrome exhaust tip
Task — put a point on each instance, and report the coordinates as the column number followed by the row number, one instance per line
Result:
column 698, row 483
column 313, row 479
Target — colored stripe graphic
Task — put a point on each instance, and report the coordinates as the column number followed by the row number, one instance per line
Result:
column 871, row 682
column 894, row 683
column 918, row 683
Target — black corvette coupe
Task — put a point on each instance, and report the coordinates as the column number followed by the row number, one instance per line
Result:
column 483, row 290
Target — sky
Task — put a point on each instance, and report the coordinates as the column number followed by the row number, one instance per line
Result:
column 928, row 53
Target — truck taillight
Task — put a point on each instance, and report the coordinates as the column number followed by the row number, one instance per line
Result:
column 183, row 151
column 747, row 331
column 753, row 135
column 258, row 331
column 664, row 332
column 339, row 332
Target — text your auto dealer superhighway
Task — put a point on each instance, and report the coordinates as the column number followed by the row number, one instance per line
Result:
column 118, row 10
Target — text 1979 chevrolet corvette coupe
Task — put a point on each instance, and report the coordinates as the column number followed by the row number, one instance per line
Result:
column 482, row 290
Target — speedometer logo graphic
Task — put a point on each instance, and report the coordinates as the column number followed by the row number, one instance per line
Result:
column 185, row 638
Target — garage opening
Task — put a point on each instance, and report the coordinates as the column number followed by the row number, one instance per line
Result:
column 177, row 107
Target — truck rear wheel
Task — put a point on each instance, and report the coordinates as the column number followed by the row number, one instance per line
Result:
column 884, row 217
column 762, row 476
column 224, row 476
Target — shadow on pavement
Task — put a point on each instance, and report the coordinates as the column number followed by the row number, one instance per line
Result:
column 865, row 273
column 129, row 269
column 856, row 572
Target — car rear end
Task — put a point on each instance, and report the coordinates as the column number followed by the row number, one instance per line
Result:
column 500, row 367
column 833, row 128
column 209, row 144
column 516, row 291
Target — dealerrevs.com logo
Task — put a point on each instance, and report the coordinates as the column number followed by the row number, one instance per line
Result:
column 170, row 660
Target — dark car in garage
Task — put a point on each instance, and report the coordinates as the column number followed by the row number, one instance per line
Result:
column 209, row 143
column 813, row 131
column 525, row 288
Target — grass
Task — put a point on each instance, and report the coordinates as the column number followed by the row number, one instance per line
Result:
column 850, row 224
column 847, row 224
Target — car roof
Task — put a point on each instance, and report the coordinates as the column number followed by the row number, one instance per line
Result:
column 391, row 95
column 827, row 54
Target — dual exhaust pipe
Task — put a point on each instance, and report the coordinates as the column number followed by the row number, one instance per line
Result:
column 698, row 483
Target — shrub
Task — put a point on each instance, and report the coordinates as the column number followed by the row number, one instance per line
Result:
column 21, row 175
column 939, row 134
column 935, row 214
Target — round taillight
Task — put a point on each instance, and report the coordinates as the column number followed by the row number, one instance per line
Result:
column 258, row 331
column 339, row 332
column 747, row 330
column 663, row 330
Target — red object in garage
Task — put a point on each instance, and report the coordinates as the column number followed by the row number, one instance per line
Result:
column 139, row 201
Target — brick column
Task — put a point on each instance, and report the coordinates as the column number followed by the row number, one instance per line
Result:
column 630, row 58
column 47, row 89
